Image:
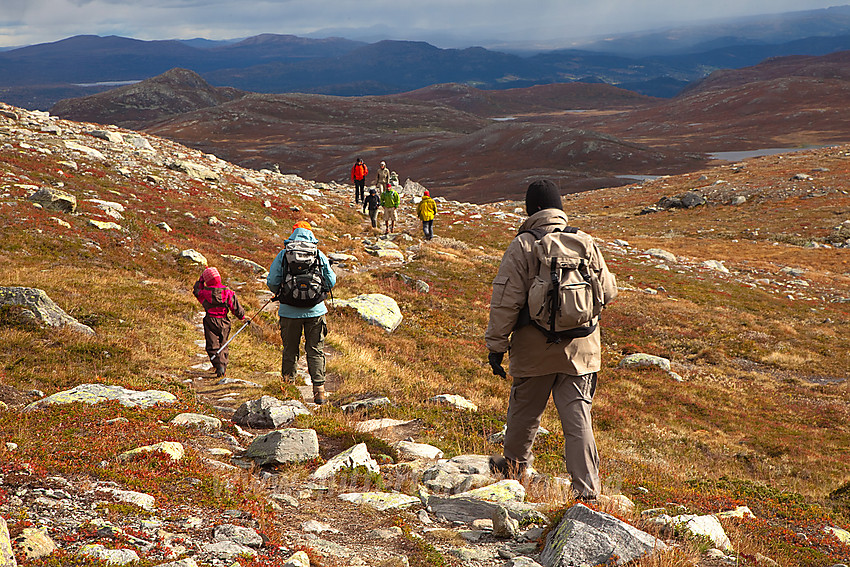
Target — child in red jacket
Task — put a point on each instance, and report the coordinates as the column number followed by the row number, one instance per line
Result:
column 217, row 300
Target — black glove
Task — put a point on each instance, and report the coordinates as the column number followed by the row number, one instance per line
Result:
column 495, row 360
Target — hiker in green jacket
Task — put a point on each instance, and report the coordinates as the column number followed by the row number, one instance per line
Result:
column 389, row 200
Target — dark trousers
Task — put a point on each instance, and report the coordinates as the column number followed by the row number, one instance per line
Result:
column 359, row 190
column 373, row 216
column 216, row 332
column 315, row 330
column 428, row 229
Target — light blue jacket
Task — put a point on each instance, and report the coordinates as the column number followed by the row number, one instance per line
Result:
column 275, row 278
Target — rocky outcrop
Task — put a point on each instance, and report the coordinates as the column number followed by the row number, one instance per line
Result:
column 36, row 304
column 376, row 308
column 96, row 393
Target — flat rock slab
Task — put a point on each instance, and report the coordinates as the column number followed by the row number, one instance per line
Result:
column 381, row 500
column 96, row 393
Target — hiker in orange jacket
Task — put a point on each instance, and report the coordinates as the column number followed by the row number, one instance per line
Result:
column 358, row 176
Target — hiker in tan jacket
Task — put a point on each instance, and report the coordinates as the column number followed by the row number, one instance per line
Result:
column 565, row 369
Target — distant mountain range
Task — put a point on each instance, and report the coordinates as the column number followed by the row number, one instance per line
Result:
column 655, row 63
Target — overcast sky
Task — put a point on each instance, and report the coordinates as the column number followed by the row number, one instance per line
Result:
column 445, row 23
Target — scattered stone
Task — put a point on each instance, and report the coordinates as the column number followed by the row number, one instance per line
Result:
column 36, row 304
column 842, row 535
column 90, row 152
column 238, row 381
column 641, row 360
column 110, row 556
column 381, row 501
column 284, row 446
column 316, row 527
column 163, row 226
column 715, row 265
column 96, row 393
column 687, row 200
column 228, row 550
column 376, row 308
column 455, row 400
column 351, row 458
column 372, row 425
column 140, row 499
column 708, row 526
column 739, row 513
column 503, row 525
column 238, row 534
column 172, row 449
column 113, row 137
column 104, row 225
column 268, row 412
column 197, row 420
column 298, row 559
column 413, row 451
column 738, row 200
column 194, row 256
column 194, row 170
column 54, row 200
column 366, row 404
column 245, row 263
column 661, row 255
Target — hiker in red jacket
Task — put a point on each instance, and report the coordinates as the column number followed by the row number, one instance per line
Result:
column 217, row 300
column 358, row 177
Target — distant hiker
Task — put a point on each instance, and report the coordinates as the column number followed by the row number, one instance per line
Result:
column 394, row 179
column 382, row 177
column 373, row 203
column 358, row 176
column 390, row 201
column 217, row 300
column 301, row 276
column 545, row 361
column 426, row 210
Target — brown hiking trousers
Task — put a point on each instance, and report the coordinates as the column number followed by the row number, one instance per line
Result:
column 573, row 397
column 216, row 332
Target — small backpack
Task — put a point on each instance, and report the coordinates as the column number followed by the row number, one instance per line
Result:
column 303, row 284
column 566, row 296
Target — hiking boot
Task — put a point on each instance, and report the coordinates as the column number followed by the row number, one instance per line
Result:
column 319, row 395
column 219, row 371
column 508, row 468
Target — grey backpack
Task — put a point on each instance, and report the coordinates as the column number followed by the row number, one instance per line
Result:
column 566, row 296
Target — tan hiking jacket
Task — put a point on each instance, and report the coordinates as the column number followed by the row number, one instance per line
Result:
column 530, row 354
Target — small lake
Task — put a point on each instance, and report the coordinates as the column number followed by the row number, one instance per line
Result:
column 738, row 156
column 107, row 84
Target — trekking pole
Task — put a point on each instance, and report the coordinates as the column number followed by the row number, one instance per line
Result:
column 248, row 322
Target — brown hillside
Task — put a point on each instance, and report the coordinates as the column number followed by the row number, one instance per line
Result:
column 133, row 106
column 785, row 102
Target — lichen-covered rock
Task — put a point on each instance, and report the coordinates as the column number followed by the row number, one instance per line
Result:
column 376, row 308
column 411, row 450
column 96, row 393
column 197, row 420
column 507, row 490
column 238, row 534
column 366, row 404
column 707, row 525
column 381, row 500
column 42, row 309
column 641, row 360
column 54, row 200
column 34, row 543
column 588, row 537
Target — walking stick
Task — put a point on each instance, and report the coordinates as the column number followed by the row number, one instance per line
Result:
column 248, row 322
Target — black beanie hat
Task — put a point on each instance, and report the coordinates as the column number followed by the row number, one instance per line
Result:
column 541, row 195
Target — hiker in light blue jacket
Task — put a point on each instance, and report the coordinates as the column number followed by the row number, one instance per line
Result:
column 310, row 320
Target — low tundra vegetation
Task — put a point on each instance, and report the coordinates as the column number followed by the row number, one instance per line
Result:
column 760, row 418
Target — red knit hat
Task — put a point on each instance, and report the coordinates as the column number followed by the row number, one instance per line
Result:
column 211, row 276
column 426, row 193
